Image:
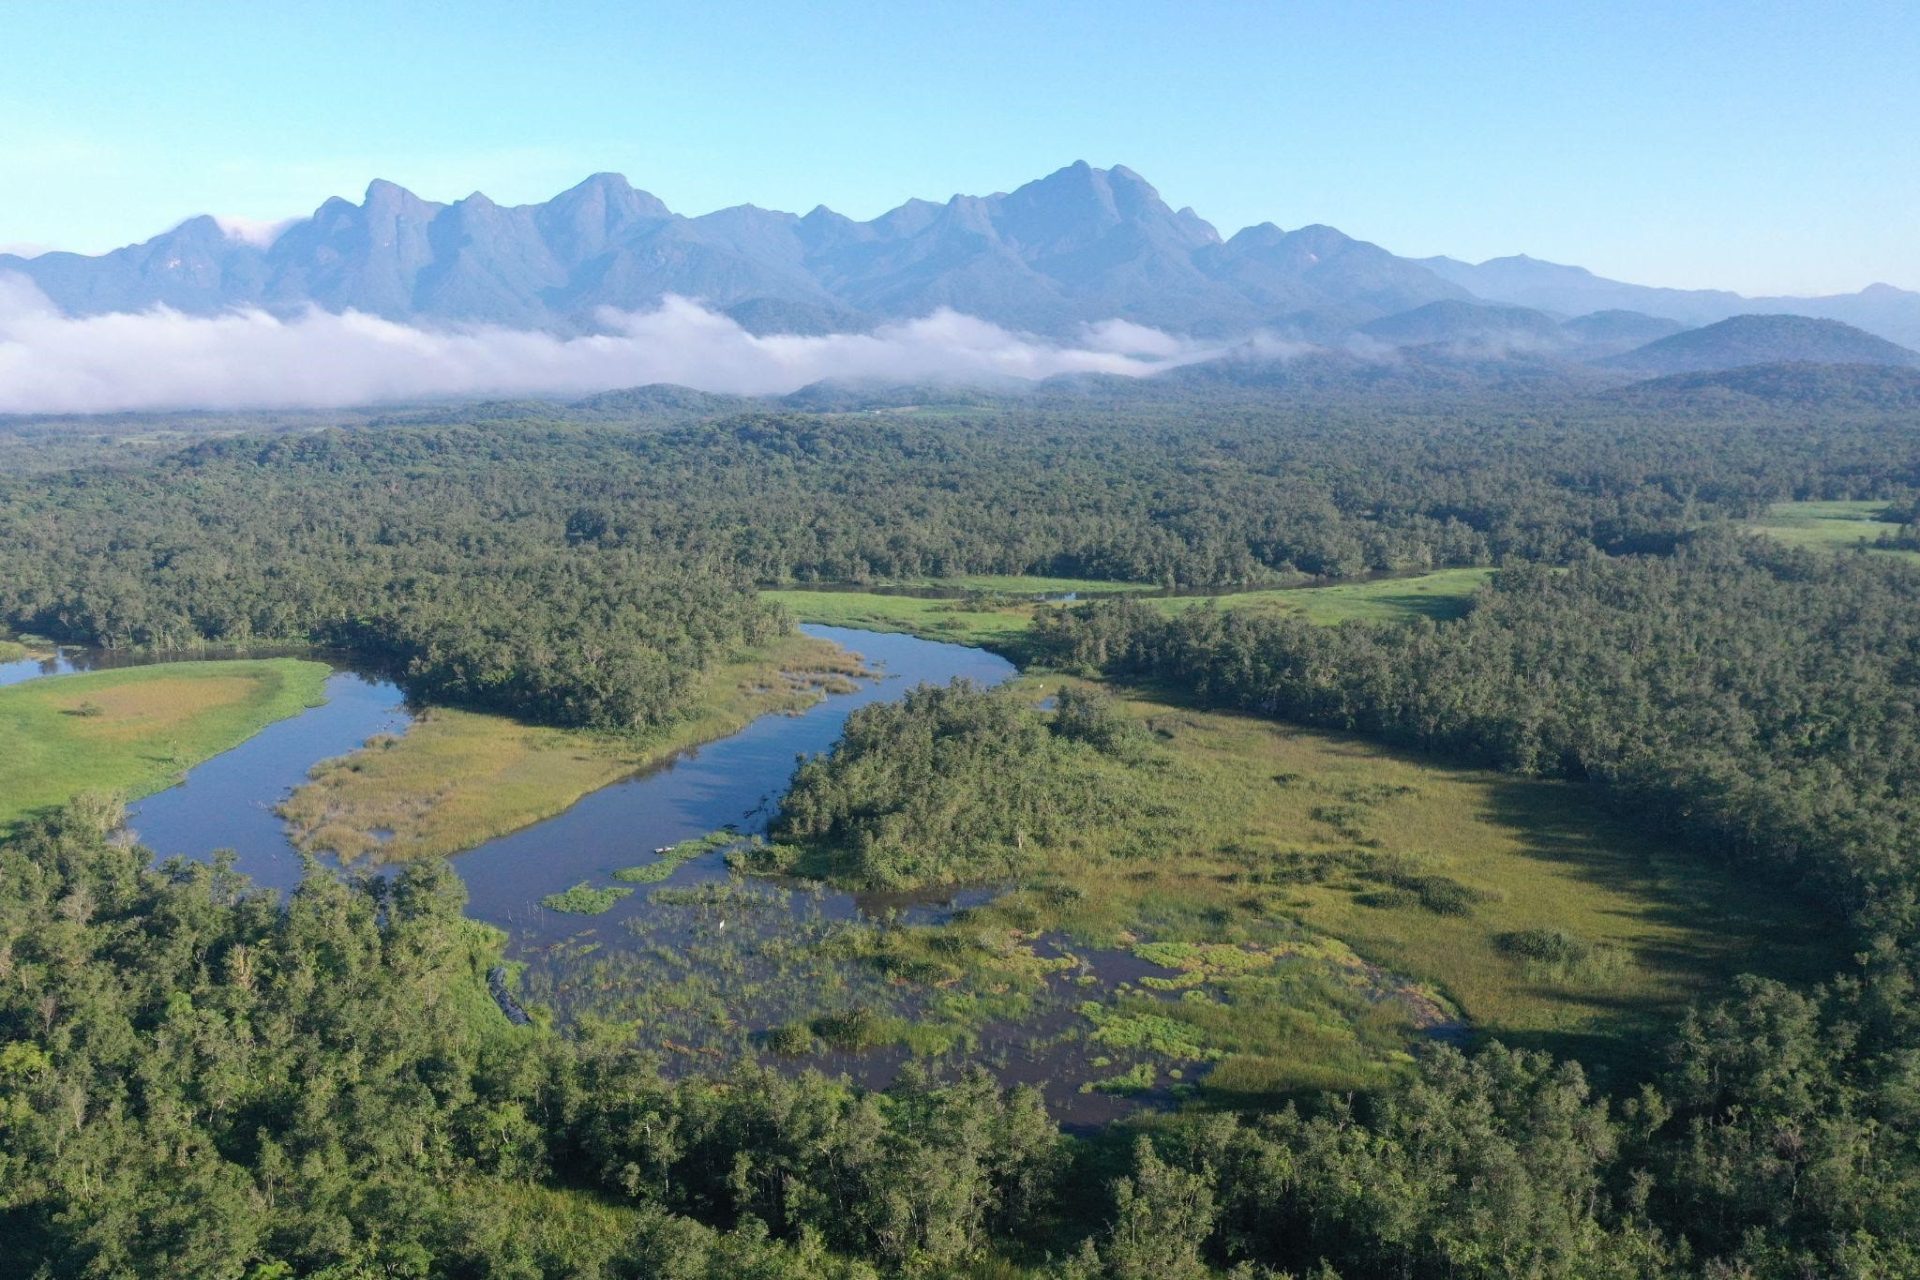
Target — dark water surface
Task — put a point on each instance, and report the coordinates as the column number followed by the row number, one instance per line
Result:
column 23, row 669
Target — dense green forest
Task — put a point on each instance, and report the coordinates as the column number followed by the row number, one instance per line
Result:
column 581, row 573
column 199, row 1079
column 200, row 1082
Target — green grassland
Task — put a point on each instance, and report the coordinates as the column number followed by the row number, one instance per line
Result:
column 134, row 731
column 457, row 778
column 12, row 650
column 1022, row 584
column 999, row 618
column 1440, row 595
column 1433, row 871
column 1830, row 526
column 988, row 623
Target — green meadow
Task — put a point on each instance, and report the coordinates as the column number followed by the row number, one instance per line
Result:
column 1831, row 526
column 1440, row 595
column 1315, row 904
column 997, row 612
column 134, row 731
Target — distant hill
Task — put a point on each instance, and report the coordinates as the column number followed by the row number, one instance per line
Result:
column 1412, row 371
column 1469, row 326
column 1756, row 340
column 1827, row 386
column 1550, row 286
column 1606, row 333
column 662, row 399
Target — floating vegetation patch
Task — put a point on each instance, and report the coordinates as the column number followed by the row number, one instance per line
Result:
column 855, row 1029
column 583, row 900
column 1143, row 1031
column 1200, row 962
column 1141, row 1077
column 670, row 858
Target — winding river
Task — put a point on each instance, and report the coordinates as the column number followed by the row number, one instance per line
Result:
column 228, row 801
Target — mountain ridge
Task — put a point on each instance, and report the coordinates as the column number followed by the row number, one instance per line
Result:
column 1079, row 246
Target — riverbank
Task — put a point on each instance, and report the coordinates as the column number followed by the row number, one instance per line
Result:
column 134, row 731
column 456, row 779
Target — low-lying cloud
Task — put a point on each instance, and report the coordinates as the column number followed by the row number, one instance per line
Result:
column 164, row 359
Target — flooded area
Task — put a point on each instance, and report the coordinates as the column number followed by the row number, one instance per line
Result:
column 707, row 965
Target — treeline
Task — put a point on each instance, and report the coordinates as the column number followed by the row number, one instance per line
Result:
column 583, row 574
column 453, row 593
column 199, row 1080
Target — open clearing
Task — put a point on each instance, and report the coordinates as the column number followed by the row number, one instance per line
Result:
column 1831, row 526
column 1440, row 595
column 456, row 778
column 134, row 731
column 996, row 617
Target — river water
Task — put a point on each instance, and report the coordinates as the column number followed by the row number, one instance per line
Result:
column 734, row 782
column 228, row 801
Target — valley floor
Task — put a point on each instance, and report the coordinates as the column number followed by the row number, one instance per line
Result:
column 998, row 611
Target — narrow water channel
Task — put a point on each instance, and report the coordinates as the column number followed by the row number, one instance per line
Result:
column 734, row 782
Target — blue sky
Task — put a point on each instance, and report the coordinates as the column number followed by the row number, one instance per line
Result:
column 1758, row 146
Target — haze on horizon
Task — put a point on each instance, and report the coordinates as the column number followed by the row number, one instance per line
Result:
column 1768, row 154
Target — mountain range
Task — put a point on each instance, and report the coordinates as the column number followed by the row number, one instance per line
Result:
column 1078, row 247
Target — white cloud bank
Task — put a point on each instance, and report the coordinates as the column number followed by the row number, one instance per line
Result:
column 162, row 359
column 258, row 232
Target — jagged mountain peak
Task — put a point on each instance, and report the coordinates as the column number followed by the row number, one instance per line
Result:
column 1080, row 245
